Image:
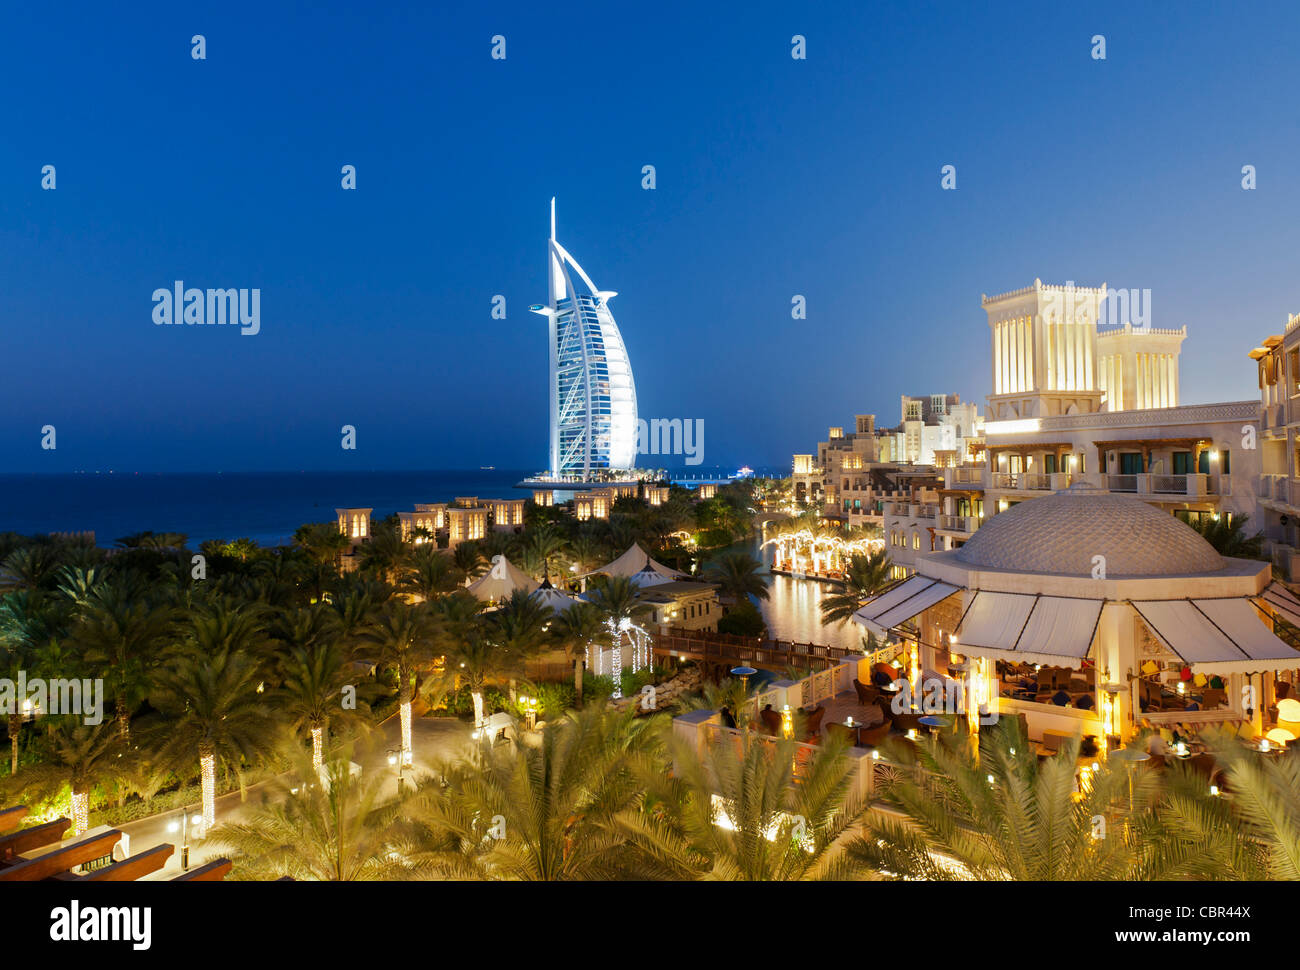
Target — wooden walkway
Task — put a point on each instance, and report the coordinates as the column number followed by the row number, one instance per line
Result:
column 722, row 651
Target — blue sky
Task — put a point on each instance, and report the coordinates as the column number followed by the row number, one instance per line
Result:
column 775, row 177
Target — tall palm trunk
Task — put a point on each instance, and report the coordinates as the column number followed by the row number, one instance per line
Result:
column 579, row 662
column 80, row 807
column 15, row 726
column 123, row 717
column 478, row 707
column 317, row 746
column 405, row 698
column 208, row 770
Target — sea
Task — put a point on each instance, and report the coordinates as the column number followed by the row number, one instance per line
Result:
column 266, row 507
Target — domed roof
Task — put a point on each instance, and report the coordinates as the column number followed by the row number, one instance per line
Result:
column 1061, row 534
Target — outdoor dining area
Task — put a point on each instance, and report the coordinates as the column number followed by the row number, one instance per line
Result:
column 1172, row 639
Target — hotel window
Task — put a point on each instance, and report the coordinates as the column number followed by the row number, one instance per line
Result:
column 1130, row 463
column 1182, row 462
column 1049, row 464
column 1293, row 369
column 916, row 540
column 1224, row 463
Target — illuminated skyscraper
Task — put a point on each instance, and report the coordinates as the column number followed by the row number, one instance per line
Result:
column 592, row 394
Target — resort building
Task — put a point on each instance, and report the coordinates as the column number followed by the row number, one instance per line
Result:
column 355, row 524
column 508, row 514
column 595, row 504
column 593, row 416
column 1278, row 486
column 465, row 524
column 657, row 494
column 1096, row 613
column 425, row 524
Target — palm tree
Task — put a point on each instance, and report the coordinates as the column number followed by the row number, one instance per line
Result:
column 314, row 678
column 1005, row 816
column 214, row 709
column 520, row 626
column 545, row 812
column 29, row 620
column 322, row 541
column 324, row 825
column 429, row 573
column 765, row 823
column 122, row 634
column 403, row 638
column 385, row 551
column 864, row 577
column 468, row 557
column 15, row 658
column 80, row 756
column 739, row 575
column 29, row 568
column 1228, row 535
column 580, row 628
column 474, row 661
column 544, row 546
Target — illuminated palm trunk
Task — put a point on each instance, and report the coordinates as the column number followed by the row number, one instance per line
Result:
column 15, row 726
column 80, row 811
column 317, row 746
column 406, row 715
column 208, row 768
column 478, row 707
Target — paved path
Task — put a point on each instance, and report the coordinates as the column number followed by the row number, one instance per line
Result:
column 433, row 739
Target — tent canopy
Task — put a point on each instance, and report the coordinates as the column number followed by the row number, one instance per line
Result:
column 637, row 565
column 499, row 582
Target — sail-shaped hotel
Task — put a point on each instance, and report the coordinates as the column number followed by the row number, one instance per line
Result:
column 592, row 395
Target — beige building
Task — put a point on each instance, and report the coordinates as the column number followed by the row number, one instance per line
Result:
column 1145, row 621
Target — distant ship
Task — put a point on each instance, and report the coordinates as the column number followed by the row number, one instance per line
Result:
column 744, row 472
column 487, row 468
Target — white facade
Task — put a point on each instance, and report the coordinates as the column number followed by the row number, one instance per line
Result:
column 593, row 418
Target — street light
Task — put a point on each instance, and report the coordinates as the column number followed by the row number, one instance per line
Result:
column 398, row 761
column 184, row 828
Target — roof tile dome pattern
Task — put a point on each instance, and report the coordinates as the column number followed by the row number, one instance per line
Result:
column 1061, row 534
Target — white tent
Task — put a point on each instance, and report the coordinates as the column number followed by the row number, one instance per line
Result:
column 499, row 582
column 637, row 565
column 552, row 598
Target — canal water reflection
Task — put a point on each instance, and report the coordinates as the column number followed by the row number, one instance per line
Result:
column 792, row 611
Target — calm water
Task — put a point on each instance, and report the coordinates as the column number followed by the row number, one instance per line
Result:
column 793, row 612
column 265, row 506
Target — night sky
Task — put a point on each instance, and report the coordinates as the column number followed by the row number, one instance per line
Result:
column 775, row 177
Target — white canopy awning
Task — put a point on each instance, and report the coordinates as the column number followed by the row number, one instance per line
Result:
column 1028, row 628
column 1283, row 601
column 901, row 602
column 1217, row 636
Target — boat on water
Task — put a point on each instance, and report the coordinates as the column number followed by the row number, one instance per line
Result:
column 744, row 472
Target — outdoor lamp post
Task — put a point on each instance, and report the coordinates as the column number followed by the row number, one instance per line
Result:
column 183, row 826
column 396, row 760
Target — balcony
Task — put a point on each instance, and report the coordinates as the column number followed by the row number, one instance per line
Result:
column 1190, row 486
column 1030, row 481
column 963, row 476
column 959, row 523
